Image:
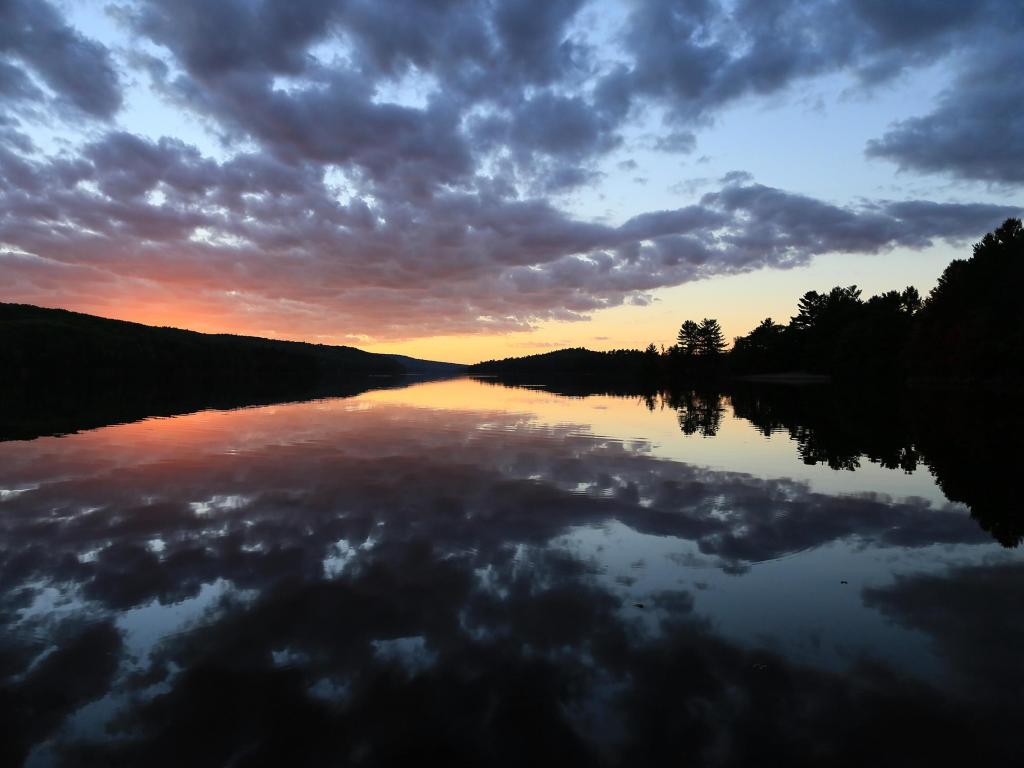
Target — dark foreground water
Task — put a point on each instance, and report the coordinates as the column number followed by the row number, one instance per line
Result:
column 459, row 573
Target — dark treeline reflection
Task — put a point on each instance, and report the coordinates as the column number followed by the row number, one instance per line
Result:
column 60, row 409
column 378, row 584
column 970, row 446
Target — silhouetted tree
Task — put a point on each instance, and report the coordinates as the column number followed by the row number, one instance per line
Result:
column 710, row 339
column 820, row 318
column 910, row 300
column 763, row 350
column 836, row 332
column 972, row 324
column 873, row 341
column 688, row 338
column 698, row 412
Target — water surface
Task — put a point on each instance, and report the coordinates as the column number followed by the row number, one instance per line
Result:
column 479, row 574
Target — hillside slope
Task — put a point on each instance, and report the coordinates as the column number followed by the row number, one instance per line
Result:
column 51, row 348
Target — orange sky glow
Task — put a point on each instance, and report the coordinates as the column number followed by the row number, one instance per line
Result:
column 739, row 302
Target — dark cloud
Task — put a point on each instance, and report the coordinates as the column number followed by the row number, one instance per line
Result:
column 560, row 126
column 131, row 166
column 78, row 666
column 693, row 58
column 969, row 612
column 337, row 122
column 697, row 56
column 133, row 212
column 682, row 142
column 481, row 54
column 544, row 663
column 78, row 70
column 797, row 224
column 212, row 40
column 976, row 131
column 15, row 85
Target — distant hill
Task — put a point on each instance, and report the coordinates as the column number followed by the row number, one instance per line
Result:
column 55, row 348
column 574, row 362
column 415, row 367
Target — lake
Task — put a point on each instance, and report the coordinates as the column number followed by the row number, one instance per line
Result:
column 466, row 573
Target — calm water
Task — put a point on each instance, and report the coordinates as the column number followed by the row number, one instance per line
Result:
column 463, row 572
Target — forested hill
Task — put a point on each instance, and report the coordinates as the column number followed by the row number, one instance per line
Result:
column 55, row 348
column 574, row 362
column 413, row 366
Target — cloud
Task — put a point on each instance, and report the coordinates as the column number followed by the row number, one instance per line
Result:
column 80, row 71
column 15, row 85
column 162, row 221
column 482, row 55
column 976, row 131
column 682, row 142
column 966, row 611
column 78, row 667
column 695, row 57
column 561, row 126
column 214, row 39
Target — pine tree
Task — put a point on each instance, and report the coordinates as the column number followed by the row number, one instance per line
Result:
column 710, row 339
column 688, row 338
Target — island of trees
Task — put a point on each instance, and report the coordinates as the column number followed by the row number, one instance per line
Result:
column 970, row 328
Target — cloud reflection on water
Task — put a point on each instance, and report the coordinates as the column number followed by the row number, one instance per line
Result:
column 396, row 580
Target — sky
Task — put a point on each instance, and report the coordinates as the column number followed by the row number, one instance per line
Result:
column 466, row 180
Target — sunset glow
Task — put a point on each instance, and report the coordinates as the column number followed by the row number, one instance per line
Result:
column 488, row 180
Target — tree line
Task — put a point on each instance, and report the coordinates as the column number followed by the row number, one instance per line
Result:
column 970, row 327
column 837, row 333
